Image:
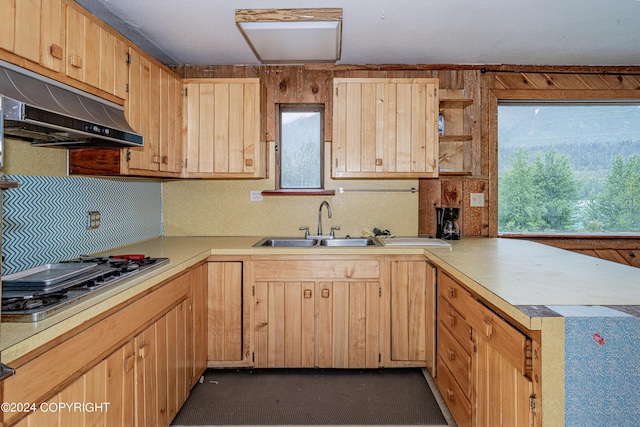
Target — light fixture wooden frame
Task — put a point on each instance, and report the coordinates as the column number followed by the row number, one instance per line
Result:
column 292, row 35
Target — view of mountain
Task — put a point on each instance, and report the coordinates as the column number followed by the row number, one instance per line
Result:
column 554, row 124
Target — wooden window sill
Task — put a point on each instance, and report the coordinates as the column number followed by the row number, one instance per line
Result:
column 570, row 235
column 298, row 192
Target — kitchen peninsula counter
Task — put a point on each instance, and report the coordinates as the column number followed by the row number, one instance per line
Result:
column 508, row 274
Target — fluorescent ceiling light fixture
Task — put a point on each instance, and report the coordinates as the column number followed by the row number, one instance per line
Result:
column 279, row 36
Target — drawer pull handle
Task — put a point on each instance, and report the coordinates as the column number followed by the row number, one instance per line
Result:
column 488, row 329
column 452, row 397
column 56, row 51
column 144, row 351
column 452, row 293
column 452, row 355
column 452, row 320
column 75, row 61
column 325, row 293
column 307, row 293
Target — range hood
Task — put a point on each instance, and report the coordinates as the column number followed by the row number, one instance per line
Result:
column 49, row 113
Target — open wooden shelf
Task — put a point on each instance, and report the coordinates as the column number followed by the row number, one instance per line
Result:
column 446, row 138
column 455, row 102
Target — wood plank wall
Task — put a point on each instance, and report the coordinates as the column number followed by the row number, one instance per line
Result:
column 313, row 84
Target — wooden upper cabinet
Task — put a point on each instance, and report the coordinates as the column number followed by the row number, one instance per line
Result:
column 113, row 64
column 94, row 55
column 34, row 30
column 154, row 109
column 65, row 38
column 171, row 158
column 83, row 48
column 385, row 128
column 223, row 131
column 143, row 111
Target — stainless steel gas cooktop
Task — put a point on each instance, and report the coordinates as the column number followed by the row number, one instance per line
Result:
column 40, row 292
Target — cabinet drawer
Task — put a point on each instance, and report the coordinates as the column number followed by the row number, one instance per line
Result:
column 454, row 294
column 507, row 340
column 317, row 269
column 456, row 358
column 453, row 321
column 457, row 403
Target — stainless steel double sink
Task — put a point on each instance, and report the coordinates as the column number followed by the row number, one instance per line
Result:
column 310, row 242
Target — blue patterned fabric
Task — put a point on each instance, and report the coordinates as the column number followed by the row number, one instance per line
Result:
column 602, row 372
column 45, row 220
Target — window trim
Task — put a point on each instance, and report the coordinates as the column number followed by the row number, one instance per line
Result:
column 288, row 107
column 495, row 96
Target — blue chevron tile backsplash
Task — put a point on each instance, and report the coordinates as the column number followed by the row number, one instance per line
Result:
column 45, row 220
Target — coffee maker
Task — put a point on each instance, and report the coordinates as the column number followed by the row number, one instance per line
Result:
column 447, row 228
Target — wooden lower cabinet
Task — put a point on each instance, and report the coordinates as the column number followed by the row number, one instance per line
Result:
column 502, row 391
column 199, row 332
column 143, row 382
column 228, row 312
column 412, row 305
column 317, row 312
column 305, row 324
column 482, row 369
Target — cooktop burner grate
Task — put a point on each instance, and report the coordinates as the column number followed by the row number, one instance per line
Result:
column 30, row 303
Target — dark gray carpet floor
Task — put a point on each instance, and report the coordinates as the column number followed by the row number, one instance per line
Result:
column 311, row 397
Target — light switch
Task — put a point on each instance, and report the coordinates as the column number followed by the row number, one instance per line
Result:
column 477, row 200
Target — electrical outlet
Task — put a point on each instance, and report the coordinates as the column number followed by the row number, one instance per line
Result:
column 94, row 220
column 255, row 196
column 477, row 200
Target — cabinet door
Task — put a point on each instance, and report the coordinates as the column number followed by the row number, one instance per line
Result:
column 285, row 327
column 174, row 361
column 412, row 312
column 145, row 373
column 501, row 392
column 94, row 54
column 8, row 27
column 27, row 29
column 223, row 128
column 225, row 312
column 154, row 109
column 83, row 47
column 143, row 112
column 52, row 35
column 385, row 128
column 170, row 138
column 120, row 385
column 34, row 30
column 348, row 324
column 113, row 64
column 199, row 301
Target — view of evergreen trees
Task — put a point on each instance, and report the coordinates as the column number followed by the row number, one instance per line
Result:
column 579, row 182
column 300, row 145
column 545, row 196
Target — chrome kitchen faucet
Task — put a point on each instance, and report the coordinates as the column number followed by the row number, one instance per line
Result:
column 324, row 203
